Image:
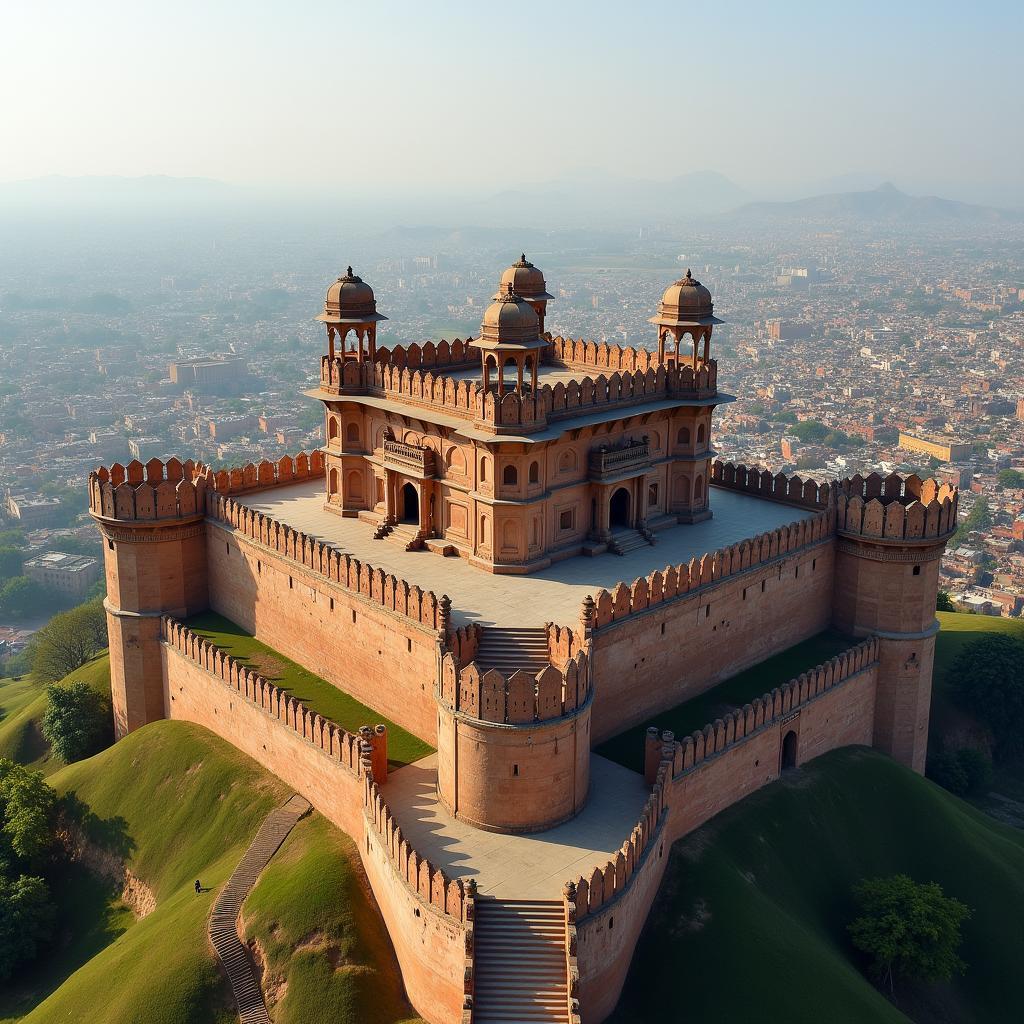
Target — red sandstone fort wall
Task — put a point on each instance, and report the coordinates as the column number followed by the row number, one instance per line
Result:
column 669, row 651
column 380, row 657
column 429, row 940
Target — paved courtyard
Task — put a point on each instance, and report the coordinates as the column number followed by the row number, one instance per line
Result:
column 518, row 866
column 551, row 595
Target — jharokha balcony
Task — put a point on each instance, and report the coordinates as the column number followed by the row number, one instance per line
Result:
column 409, row 458
column 607, row 462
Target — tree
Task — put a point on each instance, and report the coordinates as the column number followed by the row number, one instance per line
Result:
column 77, row 721
column 943, row 602
column 11, row 560
column 909, row 929
column 1011, row 478
column 22, row 597
column 27, row 807
column 26, row 920
column 68, row 641
column 988, row 681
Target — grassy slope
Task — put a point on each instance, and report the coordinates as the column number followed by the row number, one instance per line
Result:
column 627, row 748
column 312, row 897
column 750, row 923
column 23, row 704
column 182, row 804
column 323, row 697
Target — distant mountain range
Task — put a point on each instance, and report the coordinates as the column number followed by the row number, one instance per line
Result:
column 885, row 204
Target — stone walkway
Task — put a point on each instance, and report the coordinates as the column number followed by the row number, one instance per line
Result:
column 518, row 867
column 223, row 926
column 551, row 595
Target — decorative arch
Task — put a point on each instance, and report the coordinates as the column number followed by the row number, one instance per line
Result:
column 700, row 433
column 510, row 476
column 332, row 428
column 567, row 461
column 352, row 435
column 534, row 472
column 683, row 436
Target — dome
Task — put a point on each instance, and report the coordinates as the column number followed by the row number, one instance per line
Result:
column 350, row 301
column 526, row 280
column 510, row 319
column 686, row 303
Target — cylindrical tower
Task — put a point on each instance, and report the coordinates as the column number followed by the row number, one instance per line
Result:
column 513, row 751
column 151, row 519
column 890, row 537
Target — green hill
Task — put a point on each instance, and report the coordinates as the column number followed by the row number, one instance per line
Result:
column 750, row 924
column 176, row 803
column 22, row 704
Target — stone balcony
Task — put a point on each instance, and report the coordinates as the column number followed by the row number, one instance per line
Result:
column 409, row 459
column 606, row 463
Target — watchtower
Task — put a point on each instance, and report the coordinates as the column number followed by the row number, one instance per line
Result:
column 154, row 552
column 890, row 537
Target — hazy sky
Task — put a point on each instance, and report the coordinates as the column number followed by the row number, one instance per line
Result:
column 452, row 95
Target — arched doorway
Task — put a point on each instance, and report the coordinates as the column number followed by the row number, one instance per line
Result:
column 618, row 511
column 789, row 750
column 410, row 505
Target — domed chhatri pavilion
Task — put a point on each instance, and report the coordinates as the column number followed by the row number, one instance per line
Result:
column 544, row 449
column 513, row 865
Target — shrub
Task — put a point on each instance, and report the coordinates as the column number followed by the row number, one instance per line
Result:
column 26, row 920
column 977, row 768
column 943, row 602
column 948, row 772
column 77, row 721
column 909, row 929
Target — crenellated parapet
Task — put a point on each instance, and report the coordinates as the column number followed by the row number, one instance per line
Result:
column 373, row 584
column 339, row 745
column 723, row 733
column 677, row 581
column 777, row 487
column 606, row 884
column 288, row 469
column 895, row 508
column 431, row 886
column 521, row 698
column 150, row 492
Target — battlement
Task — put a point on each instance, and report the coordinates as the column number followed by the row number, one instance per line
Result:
column 335, row 742
column 608, row 883
column 677, row 581
column 582, row 354
column 715, row 737
column 894, row 508
column 517, row 699
column 466, row 399
column 430, row 884
column 370, row 583
column 791, row 489
column 179, row 490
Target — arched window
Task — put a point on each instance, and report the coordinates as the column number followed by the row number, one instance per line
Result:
column 333, row 482
column 683, row 437
column 698, row 490
column 483, row 470
column 510, row 476
column 332, row 427
column 534, row 472
column 700, row 434
column 567, row 461
column 352, row 433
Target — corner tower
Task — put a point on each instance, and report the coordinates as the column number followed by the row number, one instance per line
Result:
column 154, row 552
column 890, row 537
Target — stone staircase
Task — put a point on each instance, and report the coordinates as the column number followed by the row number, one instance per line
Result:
column 624, row 540
column 520, row 970
column 508, row 650
column 223, row 926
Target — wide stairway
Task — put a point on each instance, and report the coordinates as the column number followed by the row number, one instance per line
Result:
column 520, row 971
column 624, row 540
column 508, row 650
column 223, row 921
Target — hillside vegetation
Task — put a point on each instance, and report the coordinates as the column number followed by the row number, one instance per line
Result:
column 750, row 924
column 22, row 704
column 175, row 803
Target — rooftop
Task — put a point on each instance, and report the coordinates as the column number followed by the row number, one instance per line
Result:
column 551, row 595
column 533, row 866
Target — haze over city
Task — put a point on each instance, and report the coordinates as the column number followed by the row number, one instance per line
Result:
column 511, row 514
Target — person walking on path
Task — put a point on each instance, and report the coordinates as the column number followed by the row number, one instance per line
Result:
column 199, row 887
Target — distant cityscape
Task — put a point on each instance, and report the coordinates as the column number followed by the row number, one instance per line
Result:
column 848, row 353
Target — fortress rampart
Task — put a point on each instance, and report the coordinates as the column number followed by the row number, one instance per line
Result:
column 829, row 706
column 428, row 915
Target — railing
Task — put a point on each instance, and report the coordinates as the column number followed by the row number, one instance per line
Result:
column 605, row 461
column 410, row 456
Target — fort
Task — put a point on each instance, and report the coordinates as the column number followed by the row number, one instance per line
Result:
column 516, row 547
